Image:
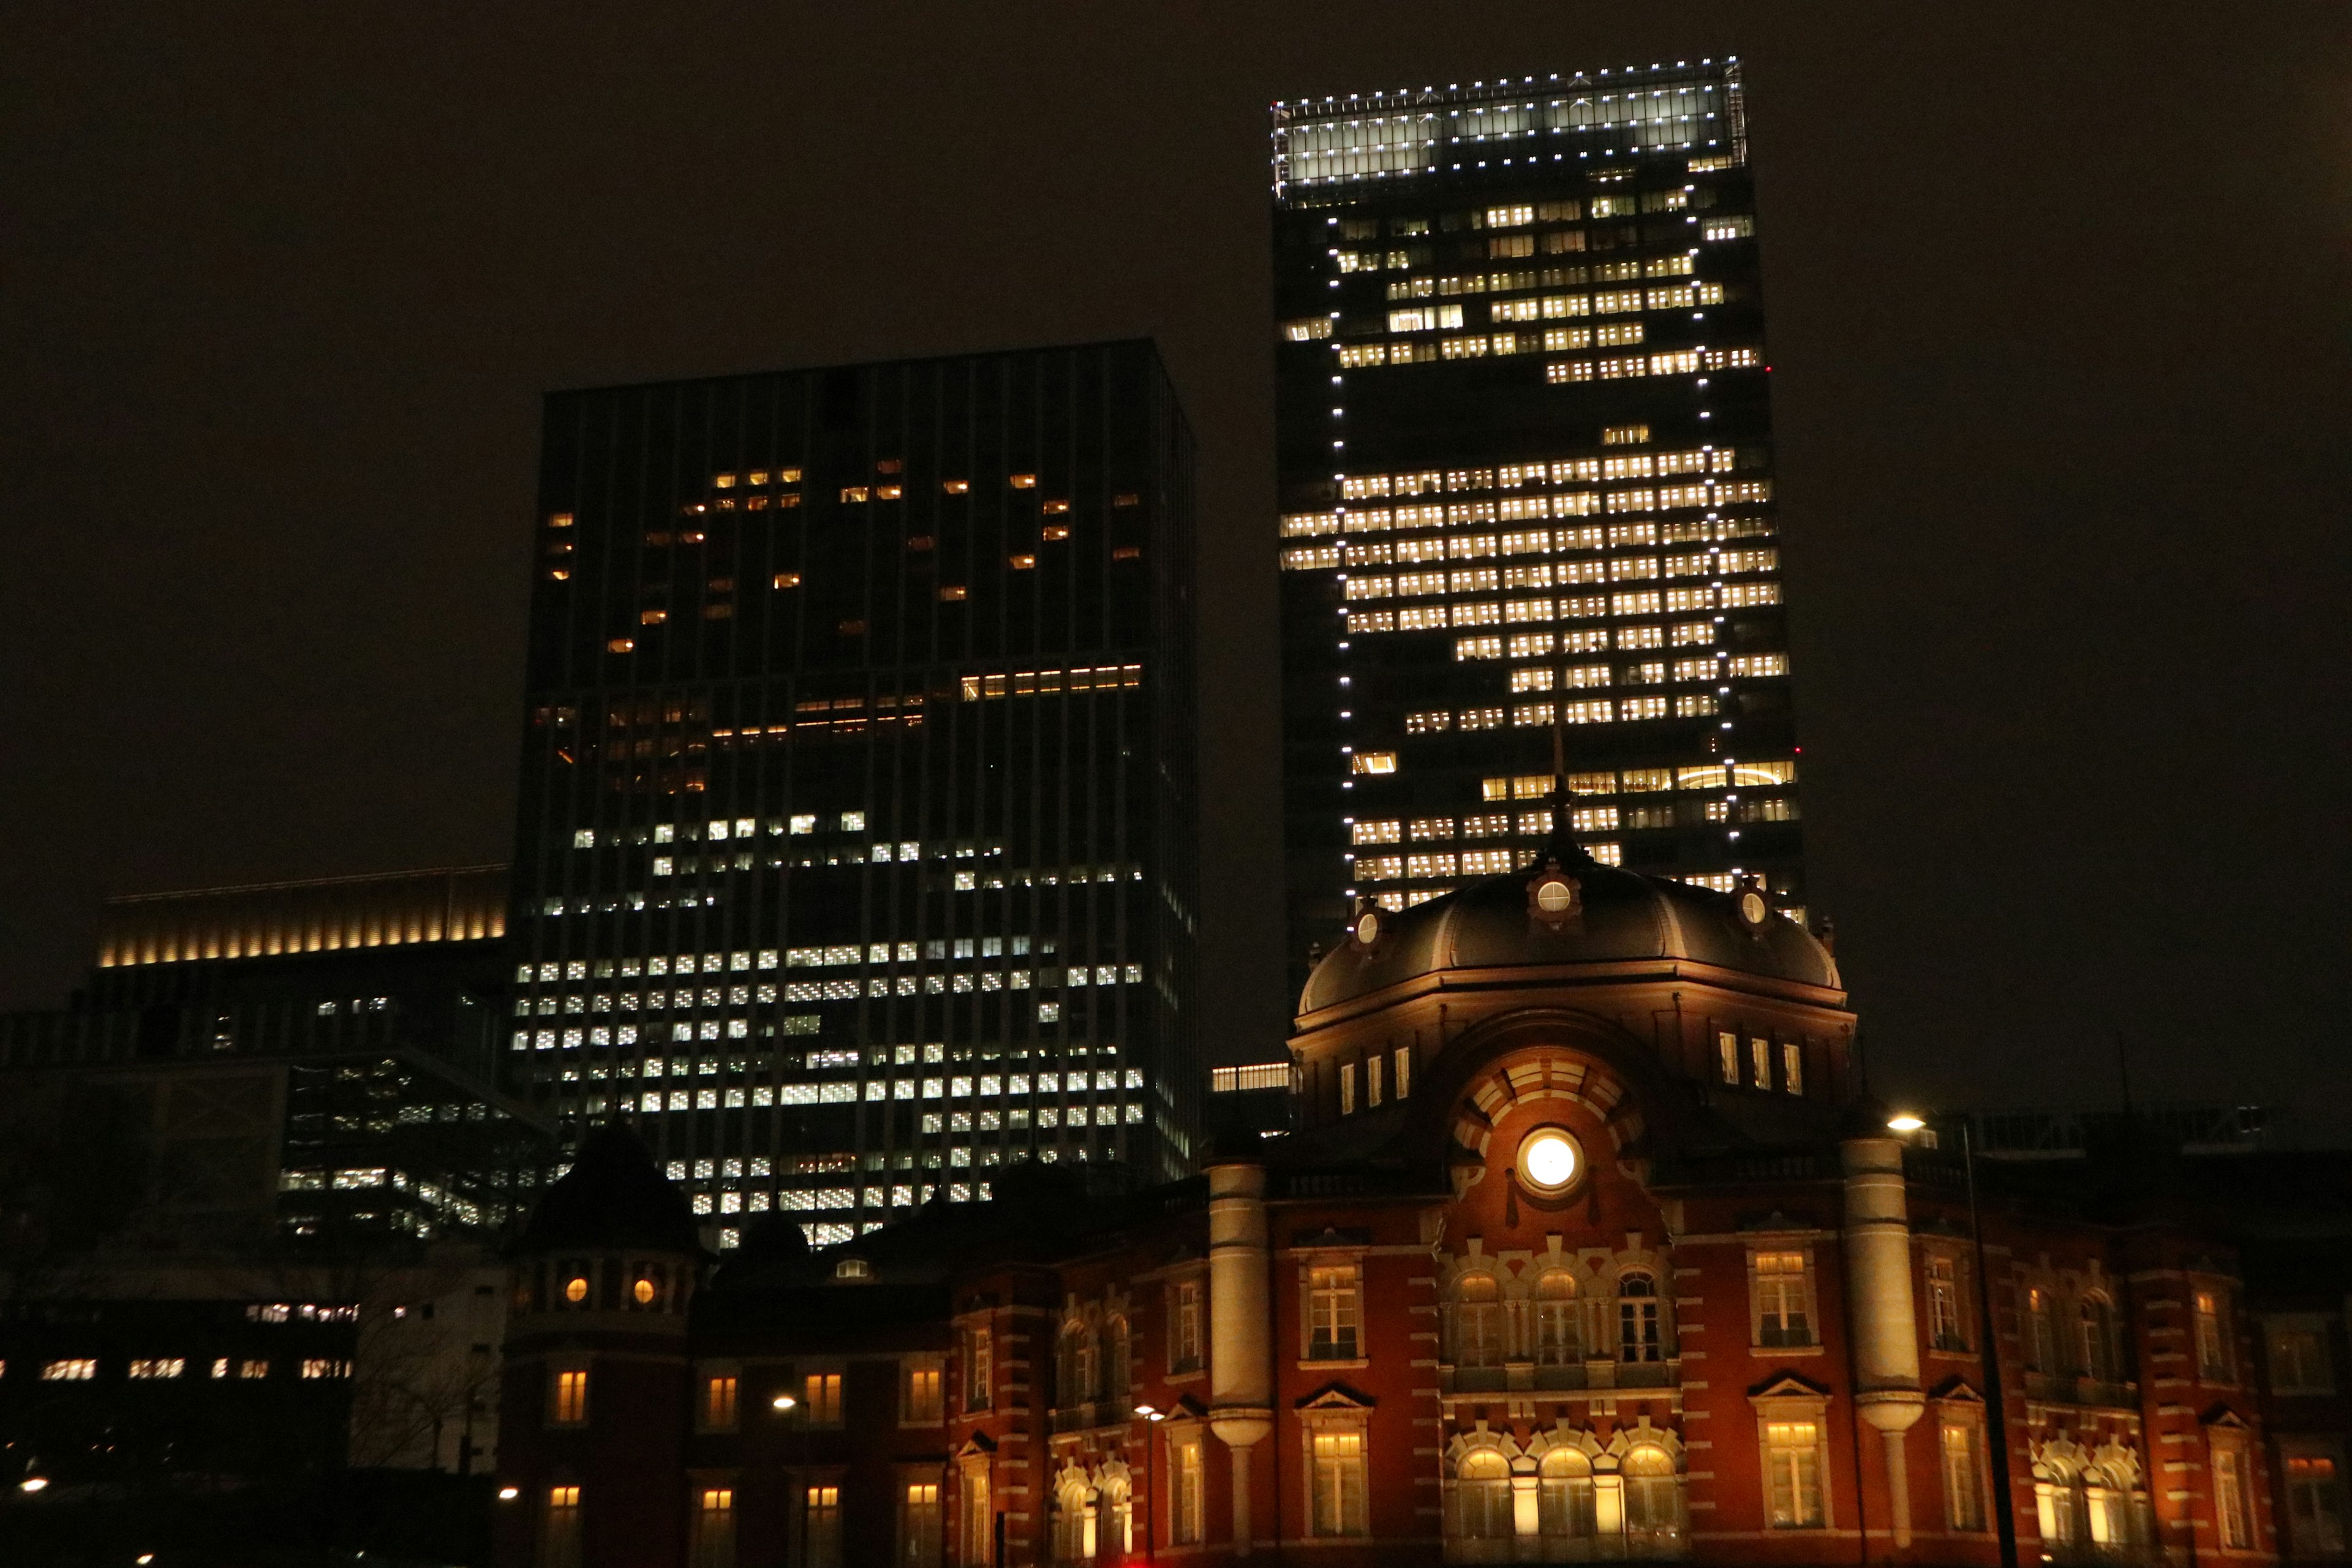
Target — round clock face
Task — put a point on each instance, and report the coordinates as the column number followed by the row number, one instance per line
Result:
column 1368, row 927
column 1553, row 897
column 1752, row 907
column 1549, row 1160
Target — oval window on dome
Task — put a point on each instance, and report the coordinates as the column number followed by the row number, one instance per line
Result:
column 576, row 1289
column 644, row 1291
column 1554, row 897
column 1368, row 927
column 1551, row 1159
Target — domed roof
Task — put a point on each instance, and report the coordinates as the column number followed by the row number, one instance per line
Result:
column 1616, row 916
column 614, row 1196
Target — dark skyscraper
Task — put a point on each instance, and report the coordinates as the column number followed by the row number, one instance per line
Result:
column 1525, row 469
column 856, row 843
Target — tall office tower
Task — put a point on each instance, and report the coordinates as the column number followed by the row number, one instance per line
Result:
column 1525, row 469
column 856, row 841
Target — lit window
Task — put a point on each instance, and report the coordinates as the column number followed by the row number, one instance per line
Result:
column 2299, row 1361
column 719, row 1402
column 956, row 487
column 2229, row 1494
column 1307, row 329
column 1024, row 481
column 821, row 1398
column 1375, row 763
column 568, row 1397
column 2314, row 1505
column 852, row 493
column 788, row 580
column 1963, row 1478
column 1792, row 1468
column 1637, row 1319
column 652, row 617
column 166, row 1367
column 821, row 1527
column 1332, row 1310
column 920, row 1523
column 620, row 645
column 922, row 1395
column 77, row 1369
column 1340, row 1495
column 1944, row 1331
column 953, row 594
column 1023, row 562
column 1792, row 1066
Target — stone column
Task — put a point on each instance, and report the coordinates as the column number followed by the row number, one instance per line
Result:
column 1883, row 1318
column 1240, row 1364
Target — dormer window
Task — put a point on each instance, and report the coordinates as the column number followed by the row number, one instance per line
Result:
column 853, row 1269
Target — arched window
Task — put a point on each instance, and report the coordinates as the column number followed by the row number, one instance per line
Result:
column 2100, row 1360
column 1116, row 1359
column 1652, row 1496
column 1074, row 1522
column 1637, row 1319
column 2040, row 1334
column 1477, row 1322
column 1116, row 1513
column 1564, row 1493
column 1076, row 1369
column 1482, row 1496
column 1558, row 1336
column 2058, row 1496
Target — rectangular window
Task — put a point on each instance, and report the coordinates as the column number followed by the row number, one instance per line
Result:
column 1944, row 1305
column 821, row 1527
column 921, row 1399
column 1781, row 1314
column 718, row 1402
column 1347, row 1079
column 2229, row 1497
column 76, row 1369
column 1186, row 1475
column 1792, row 1066
column 1404, row 1071
column 2314, row 1505
column 918, row 1524
column 2213, row 1342
column 559, row 1534
column 1339, row 1483
column 1963, row 1478
column 2299, row 1361
column 1727, row 1047
column 567, row 1400
column 1792, row 1468
column 1184, row 1327
column 979, row 1518
column 1332, row 1312
column 821, row 1398
column 714, row 1528
column 978, row 1384
column 1759, row 1050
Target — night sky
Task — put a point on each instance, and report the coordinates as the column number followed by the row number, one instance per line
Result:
column 2057, row 303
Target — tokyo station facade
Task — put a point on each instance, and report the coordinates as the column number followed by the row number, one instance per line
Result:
column 1588, row 1242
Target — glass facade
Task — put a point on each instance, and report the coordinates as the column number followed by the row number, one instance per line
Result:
column 1526, row 487
column 855, row 843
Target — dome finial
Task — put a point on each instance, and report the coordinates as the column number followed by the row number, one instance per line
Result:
column 1561, row 848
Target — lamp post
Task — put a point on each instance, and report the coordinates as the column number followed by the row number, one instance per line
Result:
column 2004, row 1514
column 1151, row 1493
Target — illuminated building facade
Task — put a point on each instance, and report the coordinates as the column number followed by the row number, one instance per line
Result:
column 1588, row 1247
column 855, row 853
column 1526, row 473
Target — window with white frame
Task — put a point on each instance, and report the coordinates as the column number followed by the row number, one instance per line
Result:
column 1334, row 1312
column 2232, row 1523
column 1945, row 1332
column 1640, row 1336
column 1184, row 1326
column 1960, row 1449
column 1338, row 1496
column 1477, row 1338
column 1558, row 1320
column 1792, row 1474
column 1187, row 1487
column 1781, row 1285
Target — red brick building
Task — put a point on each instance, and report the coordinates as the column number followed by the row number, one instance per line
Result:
column 1587, row 1246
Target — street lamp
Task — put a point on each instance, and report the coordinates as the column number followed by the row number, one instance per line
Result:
column 784, row 1401
column 1151, row 1491
column 1996, row 1408
column 34, row 1484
